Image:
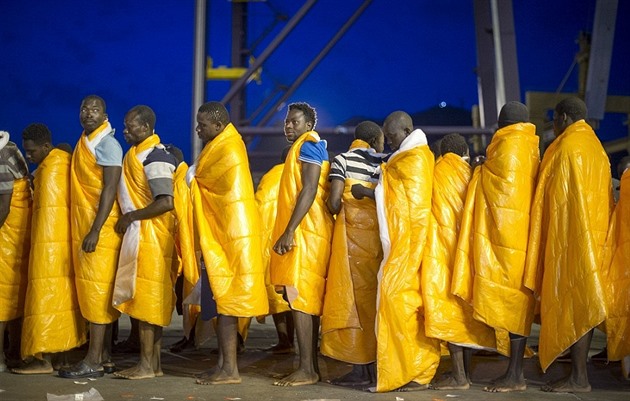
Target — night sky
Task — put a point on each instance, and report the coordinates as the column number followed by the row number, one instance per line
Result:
column 408, row 55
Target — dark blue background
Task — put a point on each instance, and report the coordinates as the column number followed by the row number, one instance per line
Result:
column 408, row 55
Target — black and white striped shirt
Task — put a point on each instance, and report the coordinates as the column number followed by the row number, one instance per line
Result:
column 358, row 163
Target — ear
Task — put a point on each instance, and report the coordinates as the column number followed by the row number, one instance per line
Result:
column 309, row 125
column 106, row 116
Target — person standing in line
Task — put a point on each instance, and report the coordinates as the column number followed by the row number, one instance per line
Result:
column 569, row 223
column 447, row 317
column 492, row 244
column 148, row 263
column 227, row 225
column 302, row 233
column 94, row 172
column 350, row 298
column 15, row 232
column 406, row 359
column 52, row 319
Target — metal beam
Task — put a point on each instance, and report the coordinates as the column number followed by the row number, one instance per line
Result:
column 505, row 52
column 238, row 85
column 239, row 56
column 199, row 72
column 298, row 81
column 485, row 66
column 599, row 60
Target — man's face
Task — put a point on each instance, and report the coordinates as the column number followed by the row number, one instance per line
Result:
column 92, row 115
column 35, row 153
column 207, row 129
column 394, row 135
column 135, row 132
column 295, row 125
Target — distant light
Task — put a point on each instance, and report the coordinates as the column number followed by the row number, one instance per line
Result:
column 442, row 105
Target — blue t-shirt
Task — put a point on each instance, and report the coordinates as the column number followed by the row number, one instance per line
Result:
column 313, row 152
column 109, row 152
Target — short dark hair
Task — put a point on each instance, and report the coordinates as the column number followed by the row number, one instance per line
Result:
column 38, row 133
column 454, row 143
column 574, row 107
column 367, row 131
column 310, row 115
column 98, row 99
column 145, row 114
column 218, row 112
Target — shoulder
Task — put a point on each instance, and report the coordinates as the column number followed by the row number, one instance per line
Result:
column 160, row 155
column 314, row 152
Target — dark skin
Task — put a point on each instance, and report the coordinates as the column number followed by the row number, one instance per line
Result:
column 150, row 335
column 5, row 207
column 306, row 325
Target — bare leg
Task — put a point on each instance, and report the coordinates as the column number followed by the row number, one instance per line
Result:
column 284, row 327
column 3, row 366
column 577, row 382
column 149, row 335
column 94, row 356
column 156, row 363
column 307, row 340
column 513, row 380
column 468, row 353
column 458, row 380
column 227, row 372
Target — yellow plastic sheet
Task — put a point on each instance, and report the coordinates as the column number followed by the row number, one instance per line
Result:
column 569, row 223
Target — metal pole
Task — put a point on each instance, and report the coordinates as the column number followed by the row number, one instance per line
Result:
column 314, row 63
column 199, row 72
column 240, row 83
column 498, row 55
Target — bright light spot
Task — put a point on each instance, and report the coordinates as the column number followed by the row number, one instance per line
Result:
column 442, row 104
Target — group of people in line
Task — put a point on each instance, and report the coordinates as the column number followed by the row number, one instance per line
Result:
column 400, row 255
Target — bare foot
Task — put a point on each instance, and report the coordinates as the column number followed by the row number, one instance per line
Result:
column 412, row 386
column 298, row 378
column 206, row 374
column 158, row 373
column 135, row 373
column 34, row 367
column 566, row 385
column 220, row 377
column 355, row 378
column 280, row 349
column 451, row 383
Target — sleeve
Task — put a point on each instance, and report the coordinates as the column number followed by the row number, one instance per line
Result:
column 109, row 152
column 6, row 179
column 159, row 167
column 313, row 152
column 338, row 169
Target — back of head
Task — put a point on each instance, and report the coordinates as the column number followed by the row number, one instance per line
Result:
column 38, row 133
column 512, row 113
column 65, row 146
column 310, row 115
column 401, row 120
column 454, row 143
column 145, row 114
column 217, row 111
column 573, row 107
column 367, row 131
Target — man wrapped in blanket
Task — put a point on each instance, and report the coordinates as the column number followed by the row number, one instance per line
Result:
column 148, row 262
column 15, row 232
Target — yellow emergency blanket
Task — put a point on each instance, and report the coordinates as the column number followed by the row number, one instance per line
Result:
column 94, row 272
column 446, row 316
column 616, row 276
column 185, row 244
column 304, row 267
column 52, row 318
column 14, row 248
column 228, row 223
column 492, row 243
column 267, row 201
column 148, row 262
column 403, row 201
column 569, row 223
column 350, row 301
